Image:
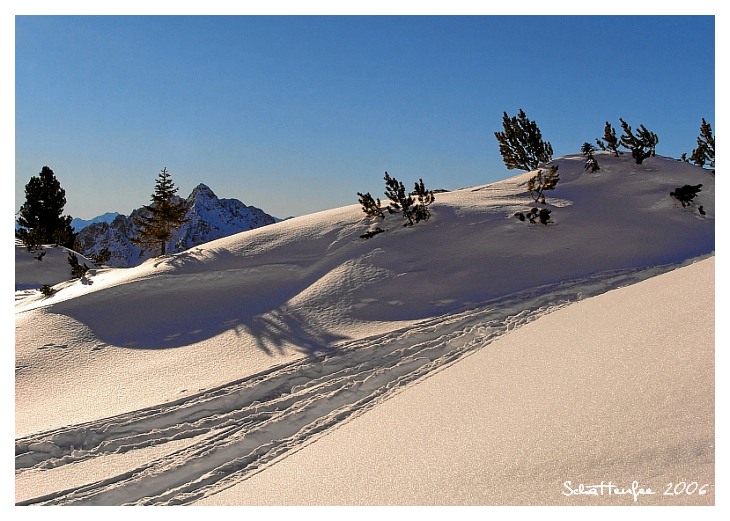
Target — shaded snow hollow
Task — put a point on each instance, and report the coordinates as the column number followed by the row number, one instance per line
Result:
column 253, row 345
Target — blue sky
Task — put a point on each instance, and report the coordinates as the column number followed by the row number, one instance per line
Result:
column 295, row 114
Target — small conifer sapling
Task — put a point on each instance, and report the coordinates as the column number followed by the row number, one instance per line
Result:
column 642, row 144
column 705, row 151
column 609, row 142
column 46, row 290
column 591, row 164
column 543, row 180
column 424, row 198
column 685, row 194
column 399, row 200
column 370, row 206
column 78, row 270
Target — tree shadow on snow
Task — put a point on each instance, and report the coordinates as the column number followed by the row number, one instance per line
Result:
column 159, row 314
column 279, row 331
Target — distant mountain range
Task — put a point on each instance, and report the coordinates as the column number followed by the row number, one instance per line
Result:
column 79, row 224
column 209, row 218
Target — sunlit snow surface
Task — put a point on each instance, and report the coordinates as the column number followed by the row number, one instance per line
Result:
column 170, row 382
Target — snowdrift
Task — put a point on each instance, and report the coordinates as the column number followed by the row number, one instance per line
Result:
column 286, row 330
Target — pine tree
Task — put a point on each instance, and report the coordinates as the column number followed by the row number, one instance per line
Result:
column 424, row 198
column 521, row 143
column 40, row 217
column 543, row 180
column 591, row 164
column 705, row 151
column 399, row 200
column 685, row 194
column 609, row 142
column 642, row 145
column 162, row 218
column 370, row 206
column 78, row 270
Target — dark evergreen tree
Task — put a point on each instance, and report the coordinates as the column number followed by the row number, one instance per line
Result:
column 609, row 142
column 686, row 193
column 705, row 151
column 370, row 206
column 591, row 164
column 40, row 218
column 424, row 198
column 162, row 218
column 642, row 145
column 521, row 143
column 78, row 270
column 543, row 180
column 399, row 200
column 544, row 216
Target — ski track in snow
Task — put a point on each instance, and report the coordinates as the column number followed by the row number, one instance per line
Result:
column 253, row 421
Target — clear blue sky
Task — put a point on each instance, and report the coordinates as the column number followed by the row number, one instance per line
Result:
column 297, row 114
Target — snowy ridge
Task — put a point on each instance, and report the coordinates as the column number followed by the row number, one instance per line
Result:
column 250, row 423
column 200, row 370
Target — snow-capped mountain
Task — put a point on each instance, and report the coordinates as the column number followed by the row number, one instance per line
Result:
column 209, row 218
column 79, row 224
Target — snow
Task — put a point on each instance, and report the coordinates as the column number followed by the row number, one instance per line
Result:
column 45, row 265
column 250, row 361
column 579, row 395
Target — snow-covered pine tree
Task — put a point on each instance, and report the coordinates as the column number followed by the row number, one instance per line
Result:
column 705, row 151
column 642, row 145
column 609, row 142
column 521, row 143
column 162, row 217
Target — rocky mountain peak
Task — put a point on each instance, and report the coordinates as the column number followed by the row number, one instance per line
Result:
column 202, row 191
column 209, row 218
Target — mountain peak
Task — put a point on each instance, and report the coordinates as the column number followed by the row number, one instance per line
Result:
column 209, row 218
column 202, row 190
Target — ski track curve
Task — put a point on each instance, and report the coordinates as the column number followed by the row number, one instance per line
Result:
column 250, row 422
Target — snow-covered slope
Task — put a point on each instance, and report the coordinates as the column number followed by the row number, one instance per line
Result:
column 614, row 388
column 208, row 217
column 249, row 346
column 46, row 265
